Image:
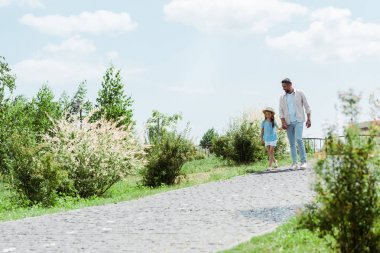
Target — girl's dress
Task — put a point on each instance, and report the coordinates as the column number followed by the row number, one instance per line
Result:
column 270, row 133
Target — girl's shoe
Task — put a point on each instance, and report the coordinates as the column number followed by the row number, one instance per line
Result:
column 275, row 164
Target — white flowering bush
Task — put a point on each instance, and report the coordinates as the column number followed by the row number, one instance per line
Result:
column 96, row 155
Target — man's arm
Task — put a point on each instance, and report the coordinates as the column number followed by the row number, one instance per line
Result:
column 307, row 109
column 308, row 121
column 282, row 114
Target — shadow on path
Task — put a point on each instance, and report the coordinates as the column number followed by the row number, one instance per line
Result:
column 273, row 171
column 273, row 215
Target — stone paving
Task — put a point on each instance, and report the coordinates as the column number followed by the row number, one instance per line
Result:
column 204, row 218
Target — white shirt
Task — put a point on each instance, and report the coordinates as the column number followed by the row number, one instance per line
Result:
column 301, row 105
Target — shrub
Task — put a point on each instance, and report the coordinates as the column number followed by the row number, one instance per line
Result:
column 246, row 143
column 33, row 172
column 223, row 147
column 207, row 139
column 347, row 204
column 16, row 117
column 165, row 159
column 309, row 148
column 242, row 143
column 168, row 151
column 282, row 144
column 95, row 155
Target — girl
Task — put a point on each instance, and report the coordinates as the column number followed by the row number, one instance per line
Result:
column 269, row 135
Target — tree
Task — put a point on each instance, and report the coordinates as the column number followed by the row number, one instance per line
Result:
column 64, row 102
column 7, row 84
column 208, row 137
column 79, row 101
column 159, row 124
column 17, row 117
column 168, row 150
column 45, row 109
column 374, row 101
column 350, row 104
column 7, row 79
column 112, row 103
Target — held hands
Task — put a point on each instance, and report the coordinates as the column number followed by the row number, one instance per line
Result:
column 284, row 125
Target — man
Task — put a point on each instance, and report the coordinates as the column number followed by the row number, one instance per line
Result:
column 293, row 105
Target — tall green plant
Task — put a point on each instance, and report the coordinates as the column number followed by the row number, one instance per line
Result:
column 347, row 206
column 7, row 84
column 34, row 173
column 207, row 139
column 241, row 143
column 374, row 102
column 168, row 151
column 166, row 158
column 79, row 103
column 246, row 143
column 64, row 102
column 112, row 102
column 350, row 104
column 17, row 117
column 45, row 109
column 159, row 124
column 7, row 79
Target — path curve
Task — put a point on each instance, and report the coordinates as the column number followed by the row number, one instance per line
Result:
column 203, row 218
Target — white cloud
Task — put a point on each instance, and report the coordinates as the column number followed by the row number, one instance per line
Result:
column 75, row 45
column 332, row 35
column 63, row 72
column 87, row 22
column 29, row 3
column 57, row 72
column 232, row 15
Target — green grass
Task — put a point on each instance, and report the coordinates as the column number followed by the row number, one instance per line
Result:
column 198, row 172
column 286, row 239
column 289, row 239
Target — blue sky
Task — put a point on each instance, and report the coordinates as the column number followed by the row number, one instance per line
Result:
column 210, row 60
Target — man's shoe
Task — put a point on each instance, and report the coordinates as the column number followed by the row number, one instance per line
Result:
column 304, row 165
column 294, row 166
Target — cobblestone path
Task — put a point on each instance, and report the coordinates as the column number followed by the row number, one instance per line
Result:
column 204, row 218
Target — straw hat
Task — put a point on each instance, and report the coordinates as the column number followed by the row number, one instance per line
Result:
column 269, row 109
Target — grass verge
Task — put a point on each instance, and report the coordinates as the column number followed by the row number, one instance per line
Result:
column 286, row 239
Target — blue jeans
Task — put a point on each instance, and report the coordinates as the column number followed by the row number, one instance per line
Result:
column 294, row 132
